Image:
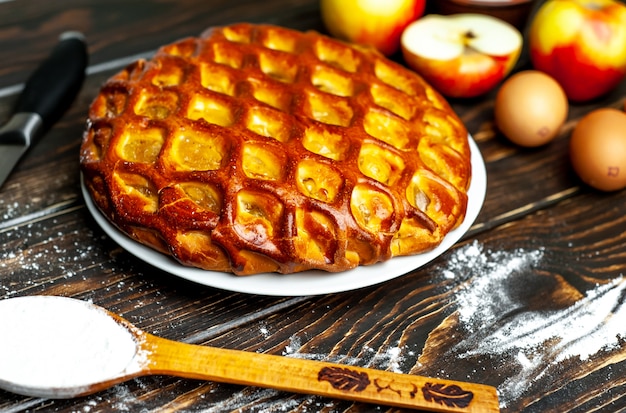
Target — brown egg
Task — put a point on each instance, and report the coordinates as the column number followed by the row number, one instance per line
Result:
column 598, row 149
column 530, row 108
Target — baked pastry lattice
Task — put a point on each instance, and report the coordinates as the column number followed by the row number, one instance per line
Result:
column 256, row 148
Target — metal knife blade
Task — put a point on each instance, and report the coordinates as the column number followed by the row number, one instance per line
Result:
column 47, row 94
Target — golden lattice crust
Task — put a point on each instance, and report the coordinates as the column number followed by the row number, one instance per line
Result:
column 256, row 148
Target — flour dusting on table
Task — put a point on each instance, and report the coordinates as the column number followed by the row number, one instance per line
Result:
column 495, row 324
column 480, row 297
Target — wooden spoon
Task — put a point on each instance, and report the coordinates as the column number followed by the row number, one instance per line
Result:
column 62, row 347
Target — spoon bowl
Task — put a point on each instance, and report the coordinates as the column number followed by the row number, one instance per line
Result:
column 62, row 348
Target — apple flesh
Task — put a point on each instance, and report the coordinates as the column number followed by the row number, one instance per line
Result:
column 582, row 44
column 461, row 55
column 371, row 22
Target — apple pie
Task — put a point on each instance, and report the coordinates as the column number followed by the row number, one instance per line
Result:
column 256, row 148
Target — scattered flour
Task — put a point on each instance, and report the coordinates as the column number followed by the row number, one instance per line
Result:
column 264, row 330
column 389, row 358
column 483, row 298
column 44, row 255
column 497, row 326
column 13, row 209
column 294, row 345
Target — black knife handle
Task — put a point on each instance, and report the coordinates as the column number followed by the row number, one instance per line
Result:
column 53, row 86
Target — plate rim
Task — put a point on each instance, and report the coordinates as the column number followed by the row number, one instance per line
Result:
column 312, row 282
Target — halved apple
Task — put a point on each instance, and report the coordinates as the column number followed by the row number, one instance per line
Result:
column 461, row 55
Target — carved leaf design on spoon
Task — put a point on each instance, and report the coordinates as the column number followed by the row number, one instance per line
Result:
column 448, row 395
column 344, row 378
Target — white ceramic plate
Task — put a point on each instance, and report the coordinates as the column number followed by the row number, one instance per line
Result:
column 308, row 282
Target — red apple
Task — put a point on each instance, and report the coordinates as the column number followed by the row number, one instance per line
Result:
column 461, row 55
column 582, row 44
column 369, row 22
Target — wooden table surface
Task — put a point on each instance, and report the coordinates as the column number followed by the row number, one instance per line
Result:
column 530, row 300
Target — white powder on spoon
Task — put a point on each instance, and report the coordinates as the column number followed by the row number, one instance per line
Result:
column 55, row 342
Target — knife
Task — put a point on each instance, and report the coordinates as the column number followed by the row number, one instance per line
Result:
column 47, row 94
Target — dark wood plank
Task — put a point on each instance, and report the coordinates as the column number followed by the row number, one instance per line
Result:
column 114, row 29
